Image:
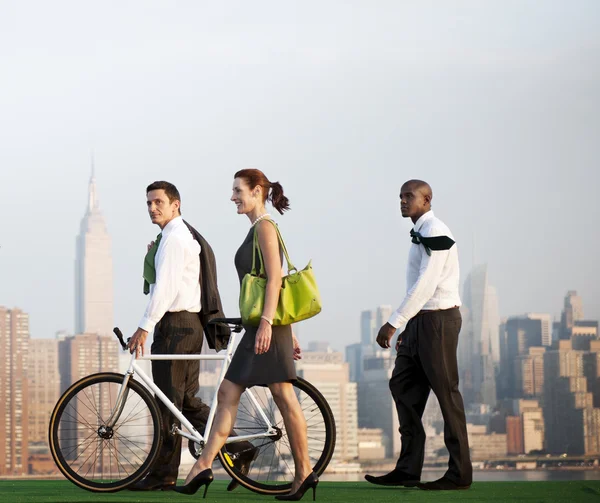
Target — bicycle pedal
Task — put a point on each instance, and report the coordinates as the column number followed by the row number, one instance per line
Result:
column 229, row 459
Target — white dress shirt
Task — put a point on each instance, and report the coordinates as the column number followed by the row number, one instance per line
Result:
column 432, row 282
column 177, row 264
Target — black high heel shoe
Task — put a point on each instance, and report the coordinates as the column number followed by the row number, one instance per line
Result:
column 205, row 477
column 310, row 481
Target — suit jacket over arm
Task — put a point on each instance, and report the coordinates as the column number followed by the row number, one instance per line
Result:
column 211, row 307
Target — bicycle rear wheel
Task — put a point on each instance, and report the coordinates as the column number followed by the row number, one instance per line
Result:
column 272, row 470
column 93, row 455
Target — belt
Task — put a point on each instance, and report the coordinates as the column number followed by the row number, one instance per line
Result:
column 179, row 312
column 425, row 311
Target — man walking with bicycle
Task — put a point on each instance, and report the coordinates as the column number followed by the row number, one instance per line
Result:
column 180, row 278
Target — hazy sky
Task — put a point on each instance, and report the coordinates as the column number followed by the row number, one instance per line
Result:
column 495, row 103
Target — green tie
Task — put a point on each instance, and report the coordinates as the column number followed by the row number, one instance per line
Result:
column 149, row 269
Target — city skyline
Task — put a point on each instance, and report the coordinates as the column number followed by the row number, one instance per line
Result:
column 548, row 379
column 494, row 105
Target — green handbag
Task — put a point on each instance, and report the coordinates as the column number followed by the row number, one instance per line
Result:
column 299, row 298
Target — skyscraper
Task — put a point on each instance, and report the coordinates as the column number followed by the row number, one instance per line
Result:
column 572, row 312
column 85, row 354
column 93, row 270
column 44, row 388
column 14, row 406
column 479, row 343
column 583, row 332
column 371, row 367
column 367, row 327
column 376, row 407
column 545, row 326
column 520, row 334
column 370, row 323
column 327, row 371
column 529, row 370
column 572, row 423
column 354, row 359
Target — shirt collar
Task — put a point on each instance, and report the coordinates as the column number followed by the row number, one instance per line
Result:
column 171, row 226
column 424, row 218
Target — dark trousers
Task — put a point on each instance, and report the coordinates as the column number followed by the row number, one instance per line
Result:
column 426, row 360
column 177, row 333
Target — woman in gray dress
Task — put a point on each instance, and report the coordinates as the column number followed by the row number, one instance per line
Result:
column 266, row 354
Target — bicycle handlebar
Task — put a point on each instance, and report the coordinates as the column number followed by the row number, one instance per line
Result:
column 234, row 323
column 119, row 335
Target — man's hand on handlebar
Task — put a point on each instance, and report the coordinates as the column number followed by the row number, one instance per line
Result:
column 137, row 341
column 235, row 324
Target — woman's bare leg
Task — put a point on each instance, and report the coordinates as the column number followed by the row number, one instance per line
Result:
column 228, row 401
column 295, row 425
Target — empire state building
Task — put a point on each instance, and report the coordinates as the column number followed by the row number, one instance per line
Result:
column 93, row 271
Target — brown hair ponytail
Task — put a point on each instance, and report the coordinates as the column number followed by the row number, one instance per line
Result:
column 278, row 200
column 272, row 192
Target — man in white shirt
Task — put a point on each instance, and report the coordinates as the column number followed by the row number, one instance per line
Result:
column 172, row 272
column 429, row 321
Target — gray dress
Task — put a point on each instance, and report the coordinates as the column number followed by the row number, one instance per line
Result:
column 277, row 364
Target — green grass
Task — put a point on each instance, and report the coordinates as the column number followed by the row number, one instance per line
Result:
column 38, row 491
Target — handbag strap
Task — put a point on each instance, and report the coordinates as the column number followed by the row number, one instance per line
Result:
column 256, row 247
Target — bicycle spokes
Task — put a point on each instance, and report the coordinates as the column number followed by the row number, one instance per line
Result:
column 269, row 459
column 94, row 453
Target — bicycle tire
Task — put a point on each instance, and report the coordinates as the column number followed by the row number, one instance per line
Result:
column 79, row 445
column 321, row 433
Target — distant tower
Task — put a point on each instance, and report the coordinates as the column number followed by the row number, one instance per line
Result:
column 14, row 391
column 93, row 270
column 479, row 344
column 520, row 334
column 572, row 312
column 367, row 327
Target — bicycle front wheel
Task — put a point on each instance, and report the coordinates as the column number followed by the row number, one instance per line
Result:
column 272, row 469
column 91, row 453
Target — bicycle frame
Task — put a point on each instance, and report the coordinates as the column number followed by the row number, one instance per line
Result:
column 193, row 434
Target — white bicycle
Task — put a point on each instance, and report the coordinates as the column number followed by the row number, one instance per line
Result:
column 105, row 430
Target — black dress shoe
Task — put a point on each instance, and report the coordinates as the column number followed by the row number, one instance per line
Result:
column 242, row 463
column 394, row 478
column 443, row 484
column 152, row 483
